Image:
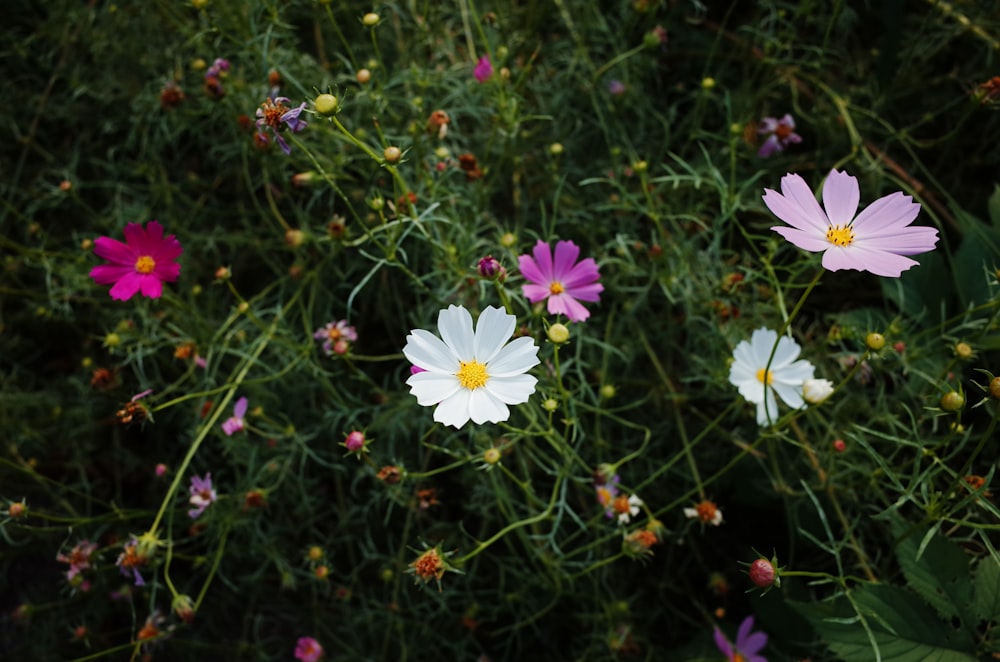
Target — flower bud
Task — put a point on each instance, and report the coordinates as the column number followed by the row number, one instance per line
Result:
column 17, row 510
column 491, row 455
column 875, row 341
column 995, row 387
column 839, row 445
column 763, row 574
column 355, row 441
column 816, row 391
column 963, row 350
column 952, row 401
column 370, row 19
column 363, row 76
column 489, row 267
column 392, row 154
column 550, row 404
column 326, row 105
column 558, row 333
column 183, row 606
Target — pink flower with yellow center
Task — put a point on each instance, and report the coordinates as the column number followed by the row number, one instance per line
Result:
column 560, row 279
column 141, row 264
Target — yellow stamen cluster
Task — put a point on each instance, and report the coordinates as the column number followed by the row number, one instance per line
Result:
column 840, row 235
column 145, row 264
column 556, row 288
column 765, row 376
column 472, row 374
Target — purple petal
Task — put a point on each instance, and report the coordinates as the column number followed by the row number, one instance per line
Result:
column 841, row 196
column 240, row 410
column 535, row 292
column 723, row 644
column 543, row 259
column 770, row 146
column 583, row 273
column 767, row 125
column 529, row 269
column 566, row 255
column 282, row 144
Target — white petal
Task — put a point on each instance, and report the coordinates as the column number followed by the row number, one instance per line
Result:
column 512, row 390
column 787, row 351
column 752, row 390
column 493, row 329
column 795, row 373
column 483, row 407
column 455, row 410
column 791, row 394
column 518, row 356
column 431, row 388
column 762, row 342
column 771, row 410
column 429, row 352
column 455, row 325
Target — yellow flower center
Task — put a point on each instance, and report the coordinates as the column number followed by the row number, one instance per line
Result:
column 840, row 235
column 145, row 264
column 556, row 288
column 738, row 658
column 472, row 374
column 765, row 376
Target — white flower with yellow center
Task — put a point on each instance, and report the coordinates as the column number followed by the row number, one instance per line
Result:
column 758, row 382
column 471, row 374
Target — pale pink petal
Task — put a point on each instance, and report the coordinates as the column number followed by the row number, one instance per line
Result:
column 535, row 292
column 813, row 221
column 590, row 292
column 795, row 189
column 888, row 213
column 151, row 286
column 769, row 147
column 880, row 263
column 806, row 240
column 115, row 251
column 127, row 286
column 904, row 241
column 543, row 258
column 841, row 196
column 566, row 254
column 105, row 274
column 566, row 305
column 240, row 410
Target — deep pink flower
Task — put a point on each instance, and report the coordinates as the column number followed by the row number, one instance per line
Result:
column 308, row 649
column 236, row 422
column 780, row 134
column 562, row 281
column 141, row 264
column 875, row 240
column 483, row 70
column 202, row 495
column 748, row 643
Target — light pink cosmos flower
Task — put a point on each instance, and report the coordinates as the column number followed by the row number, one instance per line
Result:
column 483, row 70
column 141, row 264
column 780, row 134
column 876, row 240
column 562, row 281
column 202, row 495
column 308, row 649
column 236, row 422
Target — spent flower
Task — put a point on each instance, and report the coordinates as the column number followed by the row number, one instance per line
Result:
column 877, row 240
column 471, row 375
column 275, row 114
column 780, row 134
column 336, row 337
column 142, row 264
column 78, row 558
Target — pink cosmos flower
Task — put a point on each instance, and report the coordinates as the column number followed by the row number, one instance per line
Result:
column 336, row 336
column 876, row 240
column 141, row 264
column 748, row 643
column 236, row 422
column 78, row 558
column 562, row 281
column 202, row 495
column 308, row 649
column 483, row 70
column 780, row 134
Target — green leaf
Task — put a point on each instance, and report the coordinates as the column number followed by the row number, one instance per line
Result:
column 986, row 603
column 885, row 623
column 939, row 571
column 993, row 204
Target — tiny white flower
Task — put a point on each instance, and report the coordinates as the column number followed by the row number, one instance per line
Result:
column 816, row 391
column 630, row 510
column 471, row 374
column 758, row 382
column 706, row 511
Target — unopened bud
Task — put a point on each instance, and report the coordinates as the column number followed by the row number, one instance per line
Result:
column 952, row 401
column 326, row 105
column 558, row 333
column 875, row 341
column 370, row 19
column 763, row 574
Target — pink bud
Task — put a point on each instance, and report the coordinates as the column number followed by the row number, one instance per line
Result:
column 160, row 469
column 355, row 441
column 839, row 445
column 762, row 573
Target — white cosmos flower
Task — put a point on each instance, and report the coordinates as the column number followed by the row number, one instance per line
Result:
column 471, row 375
column 758, row 384
column 817, row 391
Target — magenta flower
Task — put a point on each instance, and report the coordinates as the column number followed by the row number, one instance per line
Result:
column 275, row 115
column 236, row 422
column 876, row 240
column 748, row 643
column 483, row 70
column 141, row 264
column 308, row 649
column 202, row 495
column 78, row 558
column 562, row 281
column 336, row 336
column 780, row 134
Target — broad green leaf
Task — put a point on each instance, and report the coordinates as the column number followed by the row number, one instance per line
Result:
column 900, row 628
column 978, row 255
column 986, row 602
column 921, row 291
column 939, row 571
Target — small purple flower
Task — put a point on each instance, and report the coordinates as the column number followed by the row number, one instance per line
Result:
column 748, row 643
column 616, row 87
column 202, row 495
column 78, row 558
column 484, row 69
column 336, row 336
column 274, row 113
column 780, row 134
column 130, row 560
column 220, row 66
column 236, row 423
